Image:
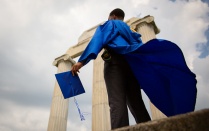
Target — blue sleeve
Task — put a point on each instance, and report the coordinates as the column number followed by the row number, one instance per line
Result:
column 103, row 35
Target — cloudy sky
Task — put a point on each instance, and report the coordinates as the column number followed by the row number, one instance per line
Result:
column 34, row 32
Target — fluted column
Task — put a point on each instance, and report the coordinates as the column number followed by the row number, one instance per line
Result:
column 100, row 106
column 147, row 28
column 147, row 32
column 59, row 107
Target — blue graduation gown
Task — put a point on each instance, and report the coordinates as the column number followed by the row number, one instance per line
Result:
column 159, row 66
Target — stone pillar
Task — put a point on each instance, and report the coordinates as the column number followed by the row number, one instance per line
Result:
column 147, row 28
column 59, row 107
column 100, row 106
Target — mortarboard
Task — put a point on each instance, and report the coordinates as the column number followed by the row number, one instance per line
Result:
column 70, row 85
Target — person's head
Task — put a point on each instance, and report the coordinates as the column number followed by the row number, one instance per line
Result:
column 116, row 14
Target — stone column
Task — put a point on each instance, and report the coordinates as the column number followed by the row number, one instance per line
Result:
column 59, row 107
column 147, row 28
column 100, row 106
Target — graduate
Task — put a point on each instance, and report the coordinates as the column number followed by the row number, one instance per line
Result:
column 158, row 67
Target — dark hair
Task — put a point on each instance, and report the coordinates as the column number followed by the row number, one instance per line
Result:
column 118, row 12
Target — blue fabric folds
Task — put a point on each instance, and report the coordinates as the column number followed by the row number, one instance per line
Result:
column 162, row 73
column 158, row 65
column 113, row 34
column 70, row 85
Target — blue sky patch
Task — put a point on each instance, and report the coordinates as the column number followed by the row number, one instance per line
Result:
column 204, row 47
column 205, row 1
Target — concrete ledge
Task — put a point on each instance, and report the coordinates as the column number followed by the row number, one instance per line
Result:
column 194, row 121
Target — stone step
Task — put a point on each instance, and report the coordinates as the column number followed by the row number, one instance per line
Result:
column 194, row 121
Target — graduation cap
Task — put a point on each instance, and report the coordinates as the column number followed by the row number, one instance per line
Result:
column 70, row 85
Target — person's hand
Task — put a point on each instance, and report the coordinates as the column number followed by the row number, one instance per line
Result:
column 76, row 67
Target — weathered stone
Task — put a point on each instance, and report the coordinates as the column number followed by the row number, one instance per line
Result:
column 194, row 121
column 59, row 106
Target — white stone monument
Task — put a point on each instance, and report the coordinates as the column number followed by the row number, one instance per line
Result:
column 100, row 108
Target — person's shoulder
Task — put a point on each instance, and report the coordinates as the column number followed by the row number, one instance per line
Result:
column 117, row 22
column 120, row 23
column 107, row 24
column 113, row 22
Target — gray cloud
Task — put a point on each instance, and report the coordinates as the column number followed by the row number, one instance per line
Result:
column 33, row 33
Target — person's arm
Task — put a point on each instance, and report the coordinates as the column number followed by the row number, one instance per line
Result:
column 101, row 37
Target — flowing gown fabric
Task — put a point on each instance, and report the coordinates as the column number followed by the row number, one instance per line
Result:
column 158, row 65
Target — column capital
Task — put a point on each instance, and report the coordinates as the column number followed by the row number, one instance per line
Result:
column 147, row 19
column 64, row 57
